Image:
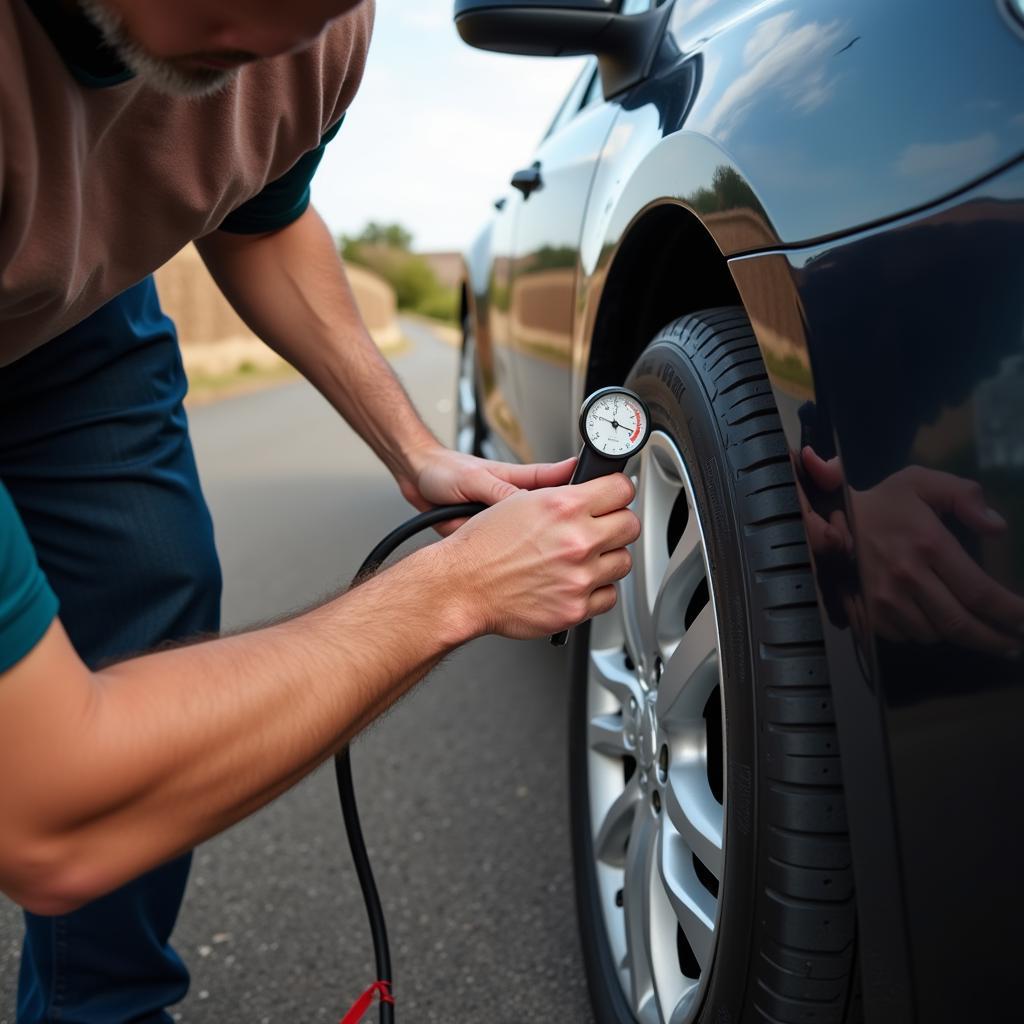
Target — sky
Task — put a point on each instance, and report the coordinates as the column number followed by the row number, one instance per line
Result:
column 436, row 130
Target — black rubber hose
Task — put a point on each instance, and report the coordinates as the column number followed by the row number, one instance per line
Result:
column 343, row 762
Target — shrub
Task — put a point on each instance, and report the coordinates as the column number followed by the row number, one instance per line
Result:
column 441, row 304
column 384, row 249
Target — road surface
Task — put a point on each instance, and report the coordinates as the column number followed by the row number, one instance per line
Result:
column 462, row 786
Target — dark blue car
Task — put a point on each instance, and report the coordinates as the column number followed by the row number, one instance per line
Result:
column 796, row 229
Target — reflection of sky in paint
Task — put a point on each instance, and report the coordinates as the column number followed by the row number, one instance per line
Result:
column 437, row 128
column 842, row 113
column 781, row 59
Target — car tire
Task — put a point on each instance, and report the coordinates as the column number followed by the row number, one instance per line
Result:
column 780, row 947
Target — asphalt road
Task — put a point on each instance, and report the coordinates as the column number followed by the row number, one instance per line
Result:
column 462, row 786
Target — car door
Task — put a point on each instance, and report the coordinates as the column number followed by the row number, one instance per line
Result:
column 495, row 379
column 502, row 410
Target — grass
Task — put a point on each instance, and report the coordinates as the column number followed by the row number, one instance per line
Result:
column 207, row 387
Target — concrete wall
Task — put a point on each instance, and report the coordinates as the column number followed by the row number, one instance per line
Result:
column 447, row 267
column 205, row 319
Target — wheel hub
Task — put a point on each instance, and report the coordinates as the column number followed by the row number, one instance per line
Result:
column 647, row 732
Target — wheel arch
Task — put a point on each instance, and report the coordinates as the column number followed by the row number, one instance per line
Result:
column 666, row 265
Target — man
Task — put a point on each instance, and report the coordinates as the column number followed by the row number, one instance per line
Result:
column 127, row 129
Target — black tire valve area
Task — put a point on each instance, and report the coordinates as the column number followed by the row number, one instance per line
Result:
column 772, row 757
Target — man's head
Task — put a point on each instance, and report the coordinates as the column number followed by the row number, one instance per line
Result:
column 195, row 47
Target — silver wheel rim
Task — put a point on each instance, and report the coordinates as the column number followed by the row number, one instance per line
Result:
column 656, row 752
column 466, row 419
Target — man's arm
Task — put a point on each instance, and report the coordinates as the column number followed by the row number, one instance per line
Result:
column 104, row 775
column 290, row 287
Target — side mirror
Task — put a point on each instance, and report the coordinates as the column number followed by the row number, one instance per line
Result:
column 624, row 44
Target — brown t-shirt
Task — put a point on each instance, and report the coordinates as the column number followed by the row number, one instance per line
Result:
column 99, row 187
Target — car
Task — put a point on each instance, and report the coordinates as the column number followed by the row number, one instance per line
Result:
column 796, row 229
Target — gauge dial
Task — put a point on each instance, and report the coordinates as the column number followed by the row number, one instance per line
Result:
column 615, row 423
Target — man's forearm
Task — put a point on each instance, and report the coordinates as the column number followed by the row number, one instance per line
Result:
column 291, row 289
column 163, row 751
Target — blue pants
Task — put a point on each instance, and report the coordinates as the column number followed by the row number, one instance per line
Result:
column 95, row 452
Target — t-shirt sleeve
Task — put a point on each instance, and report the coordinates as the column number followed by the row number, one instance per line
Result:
column 281, row 201
column 27, row 604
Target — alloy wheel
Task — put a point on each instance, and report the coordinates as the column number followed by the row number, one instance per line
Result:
column 656, row 752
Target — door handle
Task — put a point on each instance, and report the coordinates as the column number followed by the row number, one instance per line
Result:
column 528, row 179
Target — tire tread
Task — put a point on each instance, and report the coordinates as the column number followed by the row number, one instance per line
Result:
column 802, row 968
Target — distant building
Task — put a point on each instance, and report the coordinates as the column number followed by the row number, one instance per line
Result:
column 447, row 267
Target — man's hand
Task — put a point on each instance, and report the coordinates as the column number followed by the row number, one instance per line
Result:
column 919, row 584
column 231, row 723
column 543, row 561
column 440, row 476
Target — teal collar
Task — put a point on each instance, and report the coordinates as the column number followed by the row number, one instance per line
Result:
column 80, row 45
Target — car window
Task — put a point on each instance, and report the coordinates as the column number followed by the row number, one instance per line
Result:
column 573, row 101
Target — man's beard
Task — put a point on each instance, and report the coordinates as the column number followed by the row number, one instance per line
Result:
column 162, row 75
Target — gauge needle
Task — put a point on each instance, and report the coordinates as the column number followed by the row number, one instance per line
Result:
column 615, row 423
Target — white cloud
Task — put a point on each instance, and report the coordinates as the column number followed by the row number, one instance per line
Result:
column 783, row 57
column 437, row 128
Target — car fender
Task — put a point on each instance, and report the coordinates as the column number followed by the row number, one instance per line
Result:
column 685, row 170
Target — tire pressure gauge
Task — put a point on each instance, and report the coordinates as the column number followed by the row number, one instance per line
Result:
column 615, row 425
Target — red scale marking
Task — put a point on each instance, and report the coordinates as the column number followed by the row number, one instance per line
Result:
column 639, row 425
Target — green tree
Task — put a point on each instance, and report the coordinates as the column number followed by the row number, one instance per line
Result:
column 385, row 249
column 394, row 236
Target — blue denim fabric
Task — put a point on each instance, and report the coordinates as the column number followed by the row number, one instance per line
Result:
column 95, row 452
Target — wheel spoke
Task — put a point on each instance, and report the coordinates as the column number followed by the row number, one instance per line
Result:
column 694, row 906
column 610, row 841
column 608, row 669
column 606, row 736
column 685, row 1010
column 637, row 909
column 655, row 496
column 695, row 813
column 682, row 576
column 627, row 601
column 691, row 673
